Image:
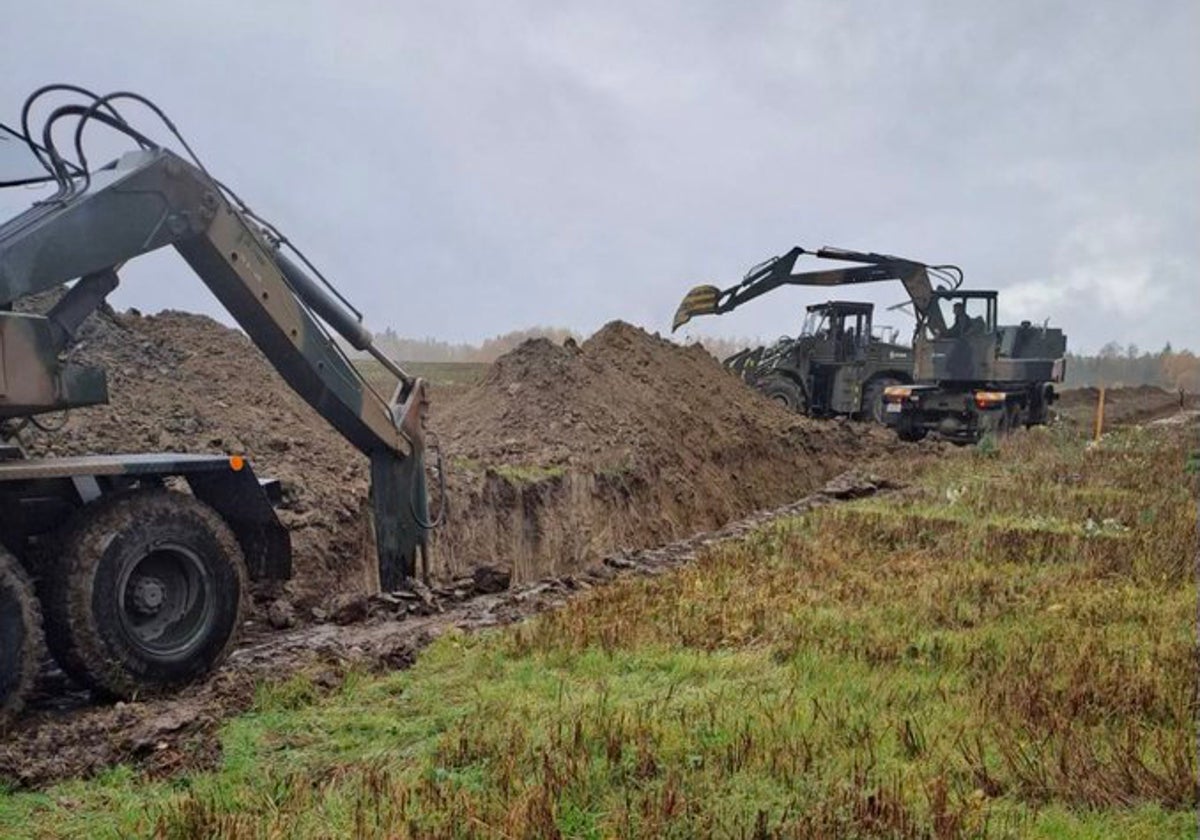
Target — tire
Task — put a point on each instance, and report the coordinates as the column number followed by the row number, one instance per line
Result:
column 911, row 434
column 21, row 645
column 785, row 392
column 146, row 593
column 872, row 399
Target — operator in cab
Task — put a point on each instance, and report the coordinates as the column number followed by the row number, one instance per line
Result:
column 964, row 324
column 962, row 321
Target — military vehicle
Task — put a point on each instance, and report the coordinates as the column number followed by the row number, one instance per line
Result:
column 140, row 586
column 840, row 364
column 971, row 376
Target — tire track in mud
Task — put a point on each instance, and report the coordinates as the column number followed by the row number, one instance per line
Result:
column 170, row 735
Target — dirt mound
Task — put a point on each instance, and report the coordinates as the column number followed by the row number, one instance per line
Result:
column 182, row 382
column 624, row 398
column 625, row 441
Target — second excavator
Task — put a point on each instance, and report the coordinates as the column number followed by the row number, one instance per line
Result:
column 971, row 376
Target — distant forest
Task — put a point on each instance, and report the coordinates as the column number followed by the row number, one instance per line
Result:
column 1115, row 364
column 1127, row 365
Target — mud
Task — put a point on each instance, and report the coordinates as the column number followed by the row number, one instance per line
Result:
column 167, row 736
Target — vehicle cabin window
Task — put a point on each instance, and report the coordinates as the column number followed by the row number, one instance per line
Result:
column 964, row 316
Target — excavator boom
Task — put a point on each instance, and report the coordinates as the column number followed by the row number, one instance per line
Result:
column 779, row 271
column 152, row 198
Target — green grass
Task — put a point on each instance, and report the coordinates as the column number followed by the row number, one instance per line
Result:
column 437, row 373
column 973, row 660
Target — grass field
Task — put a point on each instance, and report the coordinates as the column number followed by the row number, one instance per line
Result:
column 437, row 373
column 1007, row 651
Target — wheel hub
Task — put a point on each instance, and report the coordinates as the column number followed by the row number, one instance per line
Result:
column 166, row 606
column 148, row 594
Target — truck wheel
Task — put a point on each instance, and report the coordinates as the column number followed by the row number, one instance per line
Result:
column 872, row 400
column 20, row 637
column 785, row 392
column 910, row 433
column 145, row 594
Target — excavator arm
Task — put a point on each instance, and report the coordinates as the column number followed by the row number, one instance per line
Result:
column 152, row 198
column 779, row 271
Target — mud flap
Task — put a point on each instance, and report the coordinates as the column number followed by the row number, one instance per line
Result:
column 399, row 512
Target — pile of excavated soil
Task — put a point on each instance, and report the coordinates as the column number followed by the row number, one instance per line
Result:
column 182, row 382
column 624, row 399
column 627, row 440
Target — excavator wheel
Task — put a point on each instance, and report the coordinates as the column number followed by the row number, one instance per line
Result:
column 872, row 400
column 20, row 637
column 911, row 434
column 146, row 593
column 785, row 392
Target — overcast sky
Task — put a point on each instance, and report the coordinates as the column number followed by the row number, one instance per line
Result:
column 460, row 169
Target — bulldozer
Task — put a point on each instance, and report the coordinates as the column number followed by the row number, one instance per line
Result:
column 839, row 364
column 971, row 376
column 134, row 568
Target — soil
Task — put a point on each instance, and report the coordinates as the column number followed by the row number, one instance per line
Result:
column 562, row 453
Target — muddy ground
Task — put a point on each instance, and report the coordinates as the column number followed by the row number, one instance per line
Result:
column 63, row 736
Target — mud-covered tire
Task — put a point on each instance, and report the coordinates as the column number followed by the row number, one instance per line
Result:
column 145, row 593
column 872, row 398
column 785, row 392
column 21, row 646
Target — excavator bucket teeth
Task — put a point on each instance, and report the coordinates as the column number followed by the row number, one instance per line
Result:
column 701, row 300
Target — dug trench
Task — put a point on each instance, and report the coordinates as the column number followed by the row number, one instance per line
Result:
column 167, row 736
column 561, row 461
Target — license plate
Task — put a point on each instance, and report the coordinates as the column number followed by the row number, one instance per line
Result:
column 893, row 408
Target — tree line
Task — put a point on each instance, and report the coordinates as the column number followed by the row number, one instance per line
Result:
column 1128, row 365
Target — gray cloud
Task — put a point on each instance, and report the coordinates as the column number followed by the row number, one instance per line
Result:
column 461, row 169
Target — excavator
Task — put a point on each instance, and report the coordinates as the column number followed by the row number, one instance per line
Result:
column 971, row 376
column 133, row 569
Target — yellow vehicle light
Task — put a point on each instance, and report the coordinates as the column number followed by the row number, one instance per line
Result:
column 896, row 393
column 990, row 399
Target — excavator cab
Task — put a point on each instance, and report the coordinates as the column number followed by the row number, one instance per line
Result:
column 964, row 314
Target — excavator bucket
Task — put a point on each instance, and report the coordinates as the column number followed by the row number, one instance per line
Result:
column 399, row 506
column 398, row 513
column 701, row 300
